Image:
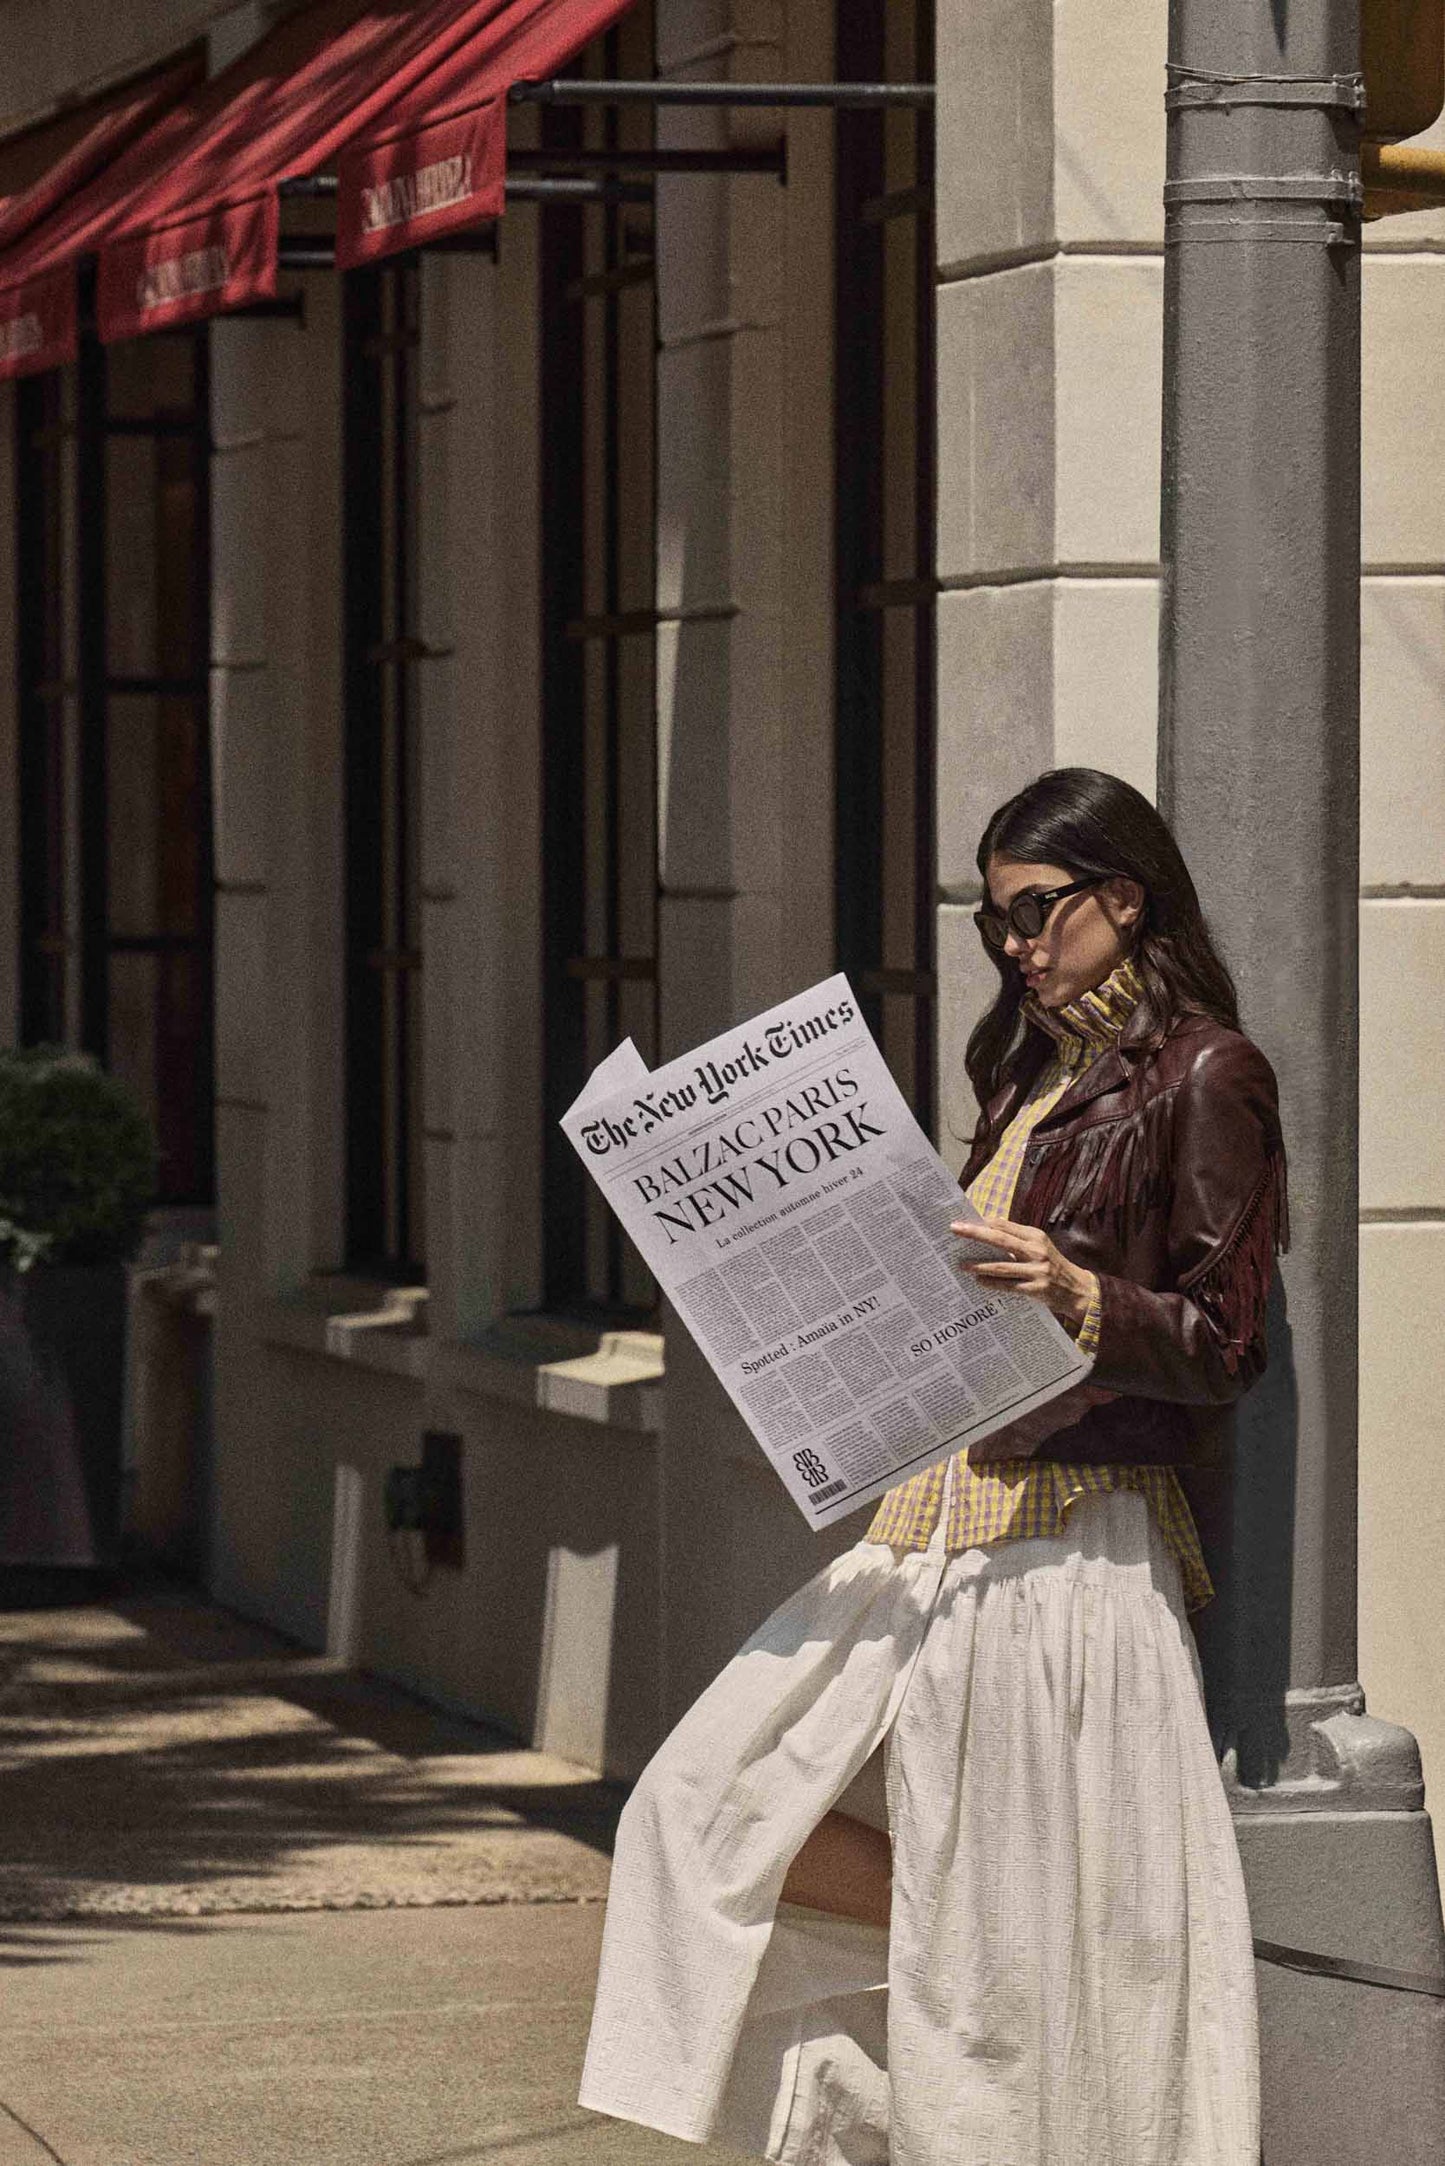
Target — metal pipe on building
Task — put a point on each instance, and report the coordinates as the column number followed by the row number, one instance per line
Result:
column 836, row 96
column 1403, row 177
column 1259, row 775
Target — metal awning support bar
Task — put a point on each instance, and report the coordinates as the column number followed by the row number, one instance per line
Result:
column 528, row 188
column 540, row 189
column 593, row 174
column 585, row 159
column 298, row 254
column 566, row 91
column 769, row 160
column 294, row 254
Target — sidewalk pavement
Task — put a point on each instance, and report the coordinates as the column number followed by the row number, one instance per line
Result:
column 258, row 1911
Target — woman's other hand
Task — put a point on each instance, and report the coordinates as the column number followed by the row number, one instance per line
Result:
column 1027, row 1263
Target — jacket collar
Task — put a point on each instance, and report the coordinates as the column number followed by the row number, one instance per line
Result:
column 1093, row 1022
column 1112, row 1067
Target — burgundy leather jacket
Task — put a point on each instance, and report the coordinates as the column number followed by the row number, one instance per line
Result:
column 1162, row 1169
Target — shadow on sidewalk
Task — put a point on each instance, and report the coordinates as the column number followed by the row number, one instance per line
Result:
column 164, row 1759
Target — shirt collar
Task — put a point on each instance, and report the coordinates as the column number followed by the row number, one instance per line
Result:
column 1093, row 1022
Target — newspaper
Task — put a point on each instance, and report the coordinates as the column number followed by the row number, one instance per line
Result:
column 797, row 1217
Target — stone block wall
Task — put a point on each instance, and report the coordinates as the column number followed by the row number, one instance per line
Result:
column 1049, row 315
column 1051, row 157
column 1050, row 252
column 1402, row 976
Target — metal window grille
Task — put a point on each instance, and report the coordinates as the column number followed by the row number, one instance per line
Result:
column 113, row 609
column 385, row 1162
column 884, row 463
column 599, row 713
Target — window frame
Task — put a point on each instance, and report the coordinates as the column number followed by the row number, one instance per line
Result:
column 66, row 687
column 383, row 1086
column 872, row 198
column 585, row 264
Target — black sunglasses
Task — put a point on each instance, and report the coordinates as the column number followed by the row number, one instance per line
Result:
column 1028, row 913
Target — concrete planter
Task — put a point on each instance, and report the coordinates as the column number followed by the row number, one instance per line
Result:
column 62, row 1355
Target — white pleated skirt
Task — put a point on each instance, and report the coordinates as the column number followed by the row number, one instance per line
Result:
column 1068, row 1978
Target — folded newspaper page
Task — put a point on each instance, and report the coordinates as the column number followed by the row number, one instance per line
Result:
column 797, row 1217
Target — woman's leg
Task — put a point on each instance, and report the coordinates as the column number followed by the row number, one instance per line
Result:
column 844, row 1867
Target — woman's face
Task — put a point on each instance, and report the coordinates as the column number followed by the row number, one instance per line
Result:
column 1084, row 937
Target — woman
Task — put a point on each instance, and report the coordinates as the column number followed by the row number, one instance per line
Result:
column 1050, row 1963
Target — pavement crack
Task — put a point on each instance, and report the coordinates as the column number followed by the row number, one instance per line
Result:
column 33, row 2133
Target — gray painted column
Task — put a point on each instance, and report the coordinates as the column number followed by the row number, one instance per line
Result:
column 1259, row 719
column 1259, row 775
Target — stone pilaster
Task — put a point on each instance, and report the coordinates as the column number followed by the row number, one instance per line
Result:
column 745, row 708
column 1050, row 148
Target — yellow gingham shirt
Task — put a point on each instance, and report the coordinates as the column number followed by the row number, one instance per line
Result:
column 1014, row 1499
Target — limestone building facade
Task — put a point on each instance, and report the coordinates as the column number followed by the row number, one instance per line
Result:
column 614, row 628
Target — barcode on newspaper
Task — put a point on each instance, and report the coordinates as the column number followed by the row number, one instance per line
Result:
column 821, row 1496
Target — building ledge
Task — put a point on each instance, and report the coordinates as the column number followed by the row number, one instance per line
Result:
column 549, row 1363
column 354, row 1320
column 610, row 1377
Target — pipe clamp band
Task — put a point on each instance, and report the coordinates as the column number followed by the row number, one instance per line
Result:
column 1267, row 188
column 1330, row 234
column 1193, row 88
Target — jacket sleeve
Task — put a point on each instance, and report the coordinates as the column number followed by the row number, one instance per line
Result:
column 1203, row 1343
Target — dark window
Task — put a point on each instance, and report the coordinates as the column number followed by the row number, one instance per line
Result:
column 599, row 689
column 113, row 653
column 884, row 467
column 385, row 1168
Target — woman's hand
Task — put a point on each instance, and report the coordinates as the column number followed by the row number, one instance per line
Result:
column 1027, row 1263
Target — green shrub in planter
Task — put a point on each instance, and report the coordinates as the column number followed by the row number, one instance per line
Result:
column 77, row 1161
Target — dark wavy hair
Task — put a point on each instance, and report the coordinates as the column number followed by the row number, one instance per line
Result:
column 1089, row 822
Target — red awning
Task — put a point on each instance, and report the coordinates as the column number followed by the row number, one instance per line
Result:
column 413, row 96
column 47, row 164
column 439, row 163
column 99, row 161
